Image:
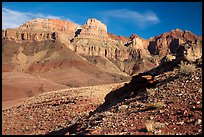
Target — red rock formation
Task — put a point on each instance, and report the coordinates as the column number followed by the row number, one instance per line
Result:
column 118, row 38
column 133, row 36
column 169, row 42
column 53, row 29
column 41, row 29
column 92, row 39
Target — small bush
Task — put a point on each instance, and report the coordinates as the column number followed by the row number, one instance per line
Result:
column 150, row 92
column 151, row 126
column 186, row 69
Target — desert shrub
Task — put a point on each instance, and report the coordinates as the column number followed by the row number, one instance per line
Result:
column 151, row 126
column 151, row 106
column 186, row 69
column 150, row 92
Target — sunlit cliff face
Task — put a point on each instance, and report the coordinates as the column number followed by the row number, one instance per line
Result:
column 193, row 52
column 190, row 52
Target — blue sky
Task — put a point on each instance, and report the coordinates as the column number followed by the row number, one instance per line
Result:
column 146, row 19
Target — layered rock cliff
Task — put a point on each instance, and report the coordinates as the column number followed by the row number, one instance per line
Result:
column 93, row 28
column 129, row 54
column 101, row 43
column 41, row 29
column 53, row 25
column 30, row 36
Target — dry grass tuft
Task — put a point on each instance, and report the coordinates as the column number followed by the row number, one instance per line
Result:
column 151, row 106
column 186, row 69
column 150, row 92
column 151, row 126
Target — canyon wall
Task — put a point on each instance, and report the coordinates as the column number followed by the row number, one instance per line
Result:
column 30, row 36
column 53, row 25
column 92, row 39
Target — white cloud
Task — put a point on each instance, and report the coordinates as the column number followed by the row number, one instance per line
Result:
column 13, row 19
column 142, row 20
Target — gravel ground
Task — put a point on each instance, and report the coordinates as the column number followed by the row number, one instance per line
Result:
column 172, row 107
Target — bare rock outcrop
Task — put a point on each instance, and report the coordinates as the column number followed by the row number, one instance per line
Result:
column 139, row 82
column 20, row 35
column 190, row 52
column 106, row 49
column 169, row 42
column 41, row 29
column 93, row 28
column 141, row 44
column 54, row 25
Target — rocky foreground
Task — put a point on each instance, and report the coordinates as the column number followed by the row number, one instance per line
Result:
column 53, row 110
column 172, row 106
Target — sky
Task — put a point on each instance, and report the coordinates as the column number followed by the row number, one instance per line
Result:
column 146, row 19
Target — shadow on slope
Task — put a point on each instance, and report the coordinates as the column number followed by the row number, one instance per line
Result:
column 136, row 87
